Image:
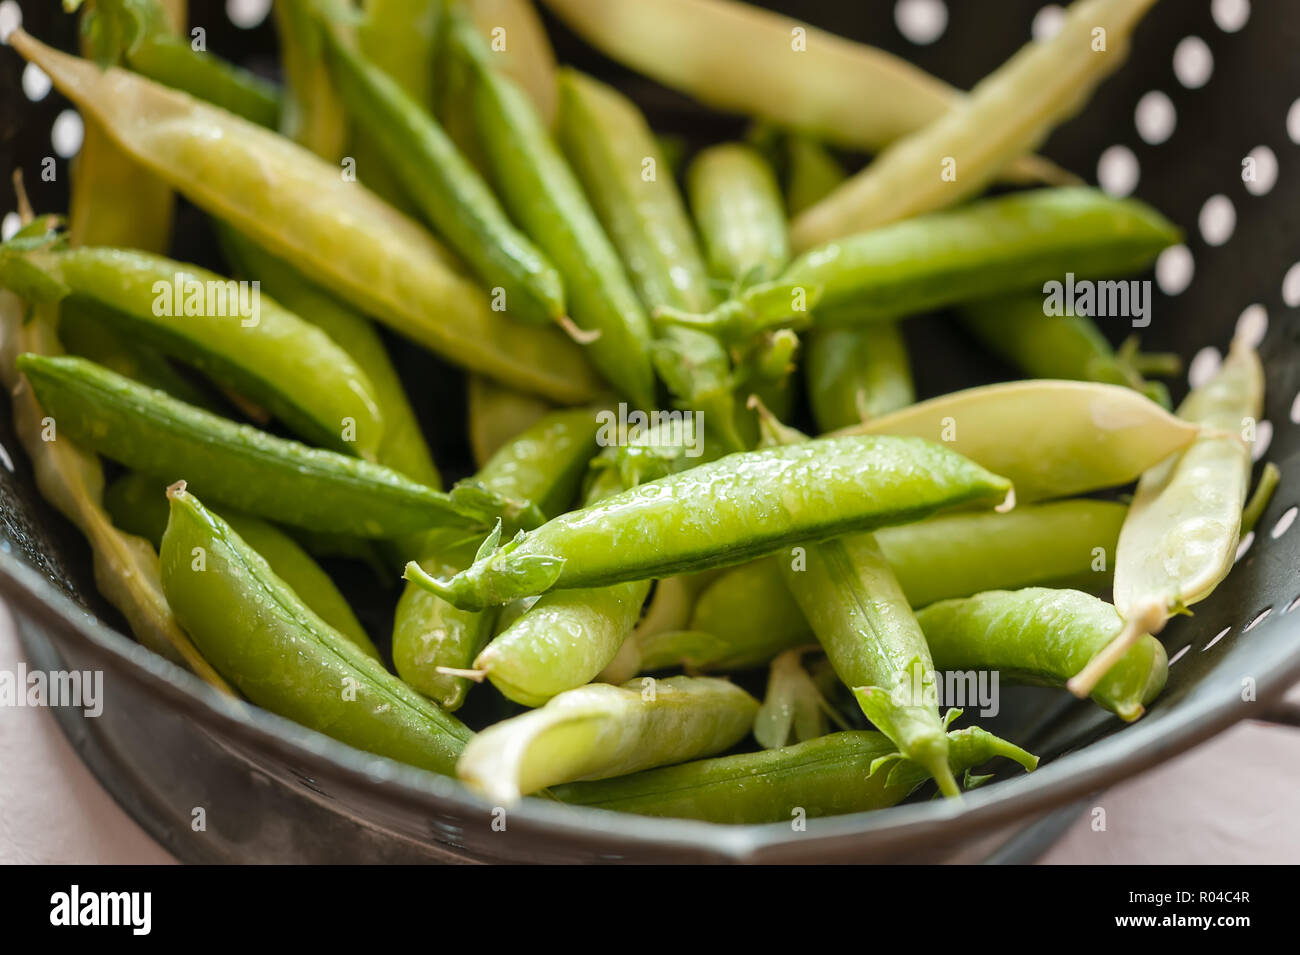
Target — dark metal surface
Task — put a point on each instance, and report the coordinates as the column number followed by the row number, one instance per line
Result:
column 272, row 791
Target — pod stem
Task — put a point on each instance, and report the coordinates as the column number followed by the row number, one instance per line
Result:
column 1145, row 619
column 1263, row 493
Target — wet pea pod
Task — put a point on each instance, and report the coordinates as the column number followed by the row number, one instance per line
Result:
column 1008, row 114
column 1071, row 347
column 986, row 248
column 1180, row 538
column 432, row 638
column 828, row 776
column 141, row 34
column 138, row 505
column 1050, row 438
column 239, row 465
column 336, row 232
column 1044, row 637
column 542, row 194
column 447, row 189
column 599, row 731
column 631, row 188
column 251, row 344
column 402, row 446
column 283, row 656
column 726, row 512
column 746, row 616
column 737, row 205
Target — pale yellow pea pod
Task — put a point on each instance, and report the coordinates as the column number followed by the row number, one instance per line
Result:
column 1180, row 537
column 513, row 29
column 1008, row 114
column 312, row 214
column 1050, row 438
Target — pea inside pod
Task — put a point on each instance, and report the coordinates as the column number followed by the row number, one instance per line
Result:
column 598, row 731
column 726, row 512
column 284, row 657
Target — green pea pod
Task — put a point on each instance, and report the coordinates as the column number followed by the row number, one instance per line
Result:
column 542, row 194
column 526, row 56
column 402, row 446
column 812, row 173
column 113, row 202
column 726, row 512
column 84, row 332
column 498, row 413
column 747, row 615
column 1013, row 242
column 1016, row 329
column 599, row 731
column 566, row 638
column 285, row 658
column 400, row 37
column 313, row 113
column 1044, row 637
column 738, row 208
column 305, row 210
column 1050, row 438
column 448, row 191
column 231, row 333
column 1180, row 538
column 138, row 505
column 238, row 465
column 1009, row 113
column 141, row 34
column 543, row 465
column 72, row 480
column 861, row 617
column 738, row 58
column 827, row 776
column 857, row 374
column 613, row 151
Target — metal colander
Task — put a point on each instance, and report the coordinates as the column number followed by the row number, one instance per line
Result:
column 1203, row 122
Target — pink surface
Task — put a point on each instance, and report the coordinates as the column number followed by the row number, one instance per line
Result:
column 1231, row 800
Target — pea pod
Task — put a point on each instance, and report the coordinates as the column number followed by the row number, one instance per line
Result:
column 400, row 37
column 1059, row 346
column 113, row 202
column 738, row 207
column 446, row 188
column 237, row 464
column 284, row 657
column 138, row 505
column 599, row 731
column 726, row 512
column 1180, row 538
column 746, row 616
column 303, row 209
column 543, row 465
column 1050, row 438
column 527, row 57
column 857, row 374
column 254, row 346
column 142, row 34
column 313, row 113
column 1044, row 637
column 812, row 173
column 614, row 152
column 861, row 618
column 72, row 480
column 1019, row 241
column 760, row 71
column 84, row 333
column 828, row 776
column 498, row 413
column 1009, row 113
column 541, row 193
column 402, row 446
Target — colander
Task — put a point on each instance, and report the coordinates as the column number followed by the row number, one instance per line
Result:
column 1203, row 122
